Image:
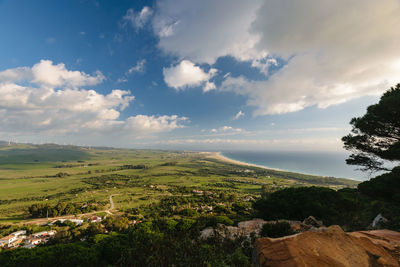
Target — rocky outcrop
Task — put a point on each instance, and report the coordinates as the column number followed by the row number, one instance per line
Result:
column 330, row 247
column 246, row 228
column 310, row 220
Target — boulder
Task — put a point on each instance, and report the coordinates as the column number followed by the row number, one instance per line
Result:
column 244, row 229
column 329, row 246
column 311, row 221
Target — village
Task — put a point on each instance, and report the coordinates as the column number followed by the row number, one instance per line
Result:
column 20, row 239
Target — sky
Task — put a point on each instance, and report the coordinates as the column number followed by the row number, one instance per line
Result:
column 186, row 74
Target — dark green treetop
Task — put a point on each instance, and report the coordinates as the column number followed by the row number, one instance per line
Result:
column 375, row 137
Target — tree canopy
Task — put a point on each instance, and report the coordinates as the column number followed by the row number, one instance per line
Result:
column 375, row 137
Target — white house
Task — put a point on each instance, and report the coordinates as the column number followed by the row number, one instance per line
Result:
column 18, row 233
column 7, row 240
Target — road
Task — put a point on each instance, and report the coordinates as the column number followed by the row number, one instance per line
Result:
column 111, row 205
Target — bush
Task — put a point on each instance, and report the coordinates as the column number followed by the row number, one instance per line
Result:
column 330, row 206
column 278, row 229
column 188, row 212
column 385, row 186
column 223, row 220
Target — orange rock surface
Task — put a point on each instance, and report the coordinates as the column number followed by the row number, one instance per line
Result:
column 330, row 247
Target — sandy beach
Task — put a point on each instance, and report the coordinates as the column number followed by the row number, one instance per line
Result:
column 219, row 156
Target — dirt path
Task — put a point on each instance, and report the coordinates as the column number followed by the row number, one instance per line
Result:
column 111, row 205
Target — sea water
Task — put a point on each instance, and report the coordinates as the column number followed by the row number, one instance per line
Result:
column 318, row 163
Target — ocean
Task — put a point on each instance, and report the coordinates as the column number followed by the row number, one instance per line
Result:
column 317, row 163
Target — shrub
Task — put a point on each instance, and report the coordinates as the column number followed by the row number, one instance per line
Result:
column 188, row 212
column 277, row 229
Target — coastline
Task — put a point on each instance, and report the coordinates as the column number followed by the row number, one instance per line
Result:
column 221, row 157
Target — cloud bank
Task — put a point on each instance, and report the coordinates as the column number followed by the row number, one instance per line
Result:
column 47, row 99
column 334, row 51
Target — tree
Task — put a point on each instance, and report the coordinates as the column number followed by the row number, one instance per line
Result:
column 375, row 137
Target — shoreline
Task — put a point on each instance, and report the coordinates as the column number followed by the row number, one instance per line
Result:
column 221, row 157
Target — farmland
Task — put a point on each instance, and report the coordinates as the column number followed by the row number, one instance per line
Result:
column 31, row 174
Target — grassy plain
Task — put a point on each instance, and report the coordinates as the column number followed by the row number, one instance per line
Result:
column 51, row 173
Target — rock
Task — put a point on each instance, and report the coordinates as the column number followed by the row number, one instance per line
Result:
column 298, row 226
column 329, row 246
column 311, row 221
column 253, row 226
column 386, row 238
column 246, row 228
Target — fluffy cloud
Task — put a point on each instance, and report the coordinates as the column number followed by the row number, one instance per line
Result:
column 334, row 50
column 339, row 51
column 203, row 31
column 187, row 74
column 45, row 73
column 151, row 124
column 209, row 86
column 226, row 129
column 43, row 109
column 137, row 20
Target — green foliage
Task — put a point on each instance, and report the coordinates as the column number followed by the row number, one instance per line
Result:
column 188, row 212
column 385, row 186
column 171, row 163
column 376, row 135
column 149, row 244
column 116, row 223
column 42, row 210
column 223, row 220
column 278, row 229
column 75, row 254
column 330, row 206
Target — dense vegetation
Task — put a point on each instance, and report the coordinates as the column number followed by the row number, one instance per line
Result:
column 43, row 210
column 165, row 242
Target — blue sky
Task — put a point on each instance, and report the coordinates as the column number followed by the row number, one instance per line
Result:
column 265, row 74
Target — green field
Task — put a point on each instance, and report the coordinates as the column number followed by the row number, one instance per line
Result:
column 32, row 174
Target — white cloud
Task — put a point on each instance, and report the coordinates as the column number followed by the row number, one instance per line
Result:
column 226, row 129
column 122, row 80
column 239, row 115
column 45, row 73
column 139, row 67
column 137, row 20
column 187, row 74
column 151, row 124
column 339, row 51
column 335, row 50
column 209, row 86
column 202, row 31
column 290, row 144
column 45, row 110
